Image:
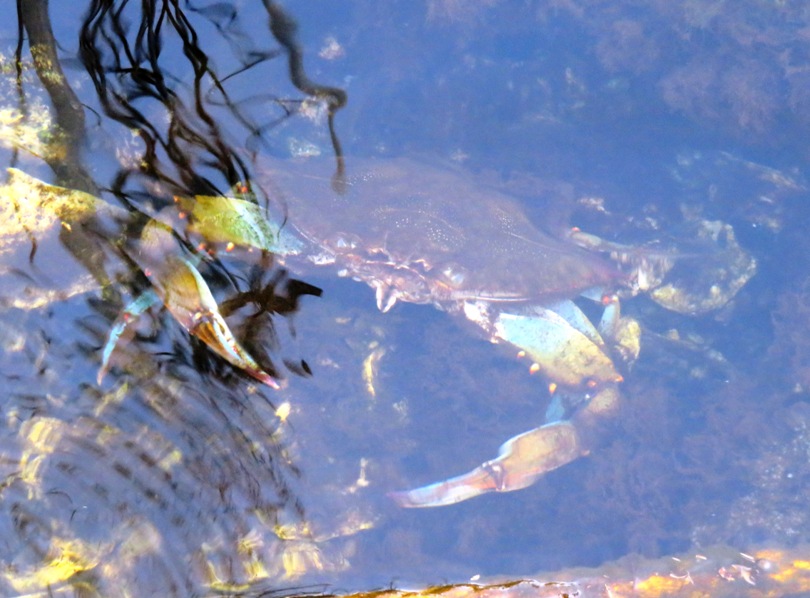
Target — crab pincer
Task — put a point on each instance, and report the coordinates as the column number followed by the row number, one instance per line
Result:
column 178, row 284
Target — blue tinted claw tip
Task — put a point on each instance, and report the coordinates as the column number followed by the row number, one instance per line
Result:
column 132, row 311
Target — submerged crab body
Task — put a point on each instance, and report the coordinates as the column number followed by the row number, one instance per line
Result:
column 421, row 234
column 418, row 234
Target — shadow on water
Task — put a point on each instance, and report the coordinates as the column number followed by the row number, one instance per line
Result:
column 164, row 463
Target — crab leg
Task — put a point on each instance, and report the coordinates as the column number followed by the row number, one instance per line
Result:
column 521, row 460
column 181, row 288
column 569, row 350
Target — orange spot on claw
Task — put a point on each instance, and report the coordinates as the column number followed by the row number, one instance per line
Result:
column 552, row 388
column 534, row 368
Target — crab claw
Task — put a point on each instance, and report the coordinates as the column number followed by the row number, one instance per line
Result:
column 186, row 295
column 561, row 342
column 211, row 328
column 520, row 462
column 221, row 219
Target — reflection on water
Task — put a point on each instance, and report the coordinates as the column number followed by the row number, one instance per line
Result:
column 118, row 475
column 181, row 474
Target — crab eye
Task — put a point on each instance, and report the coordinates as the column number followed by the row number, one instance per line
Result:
column 344, row 243
column 454, row 275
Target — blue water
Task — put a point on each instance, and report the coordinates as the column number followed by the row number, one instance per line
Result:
column 518, row 95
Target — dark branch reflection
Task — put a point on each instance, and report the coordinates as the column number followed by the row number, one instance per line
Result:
column 174, row 473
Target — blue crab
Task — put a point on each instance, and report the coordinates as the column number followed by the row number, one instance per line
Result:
column 421, row 234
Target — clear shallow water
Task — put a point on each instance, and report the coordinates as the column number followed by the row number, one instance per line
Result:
column 176, row 460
